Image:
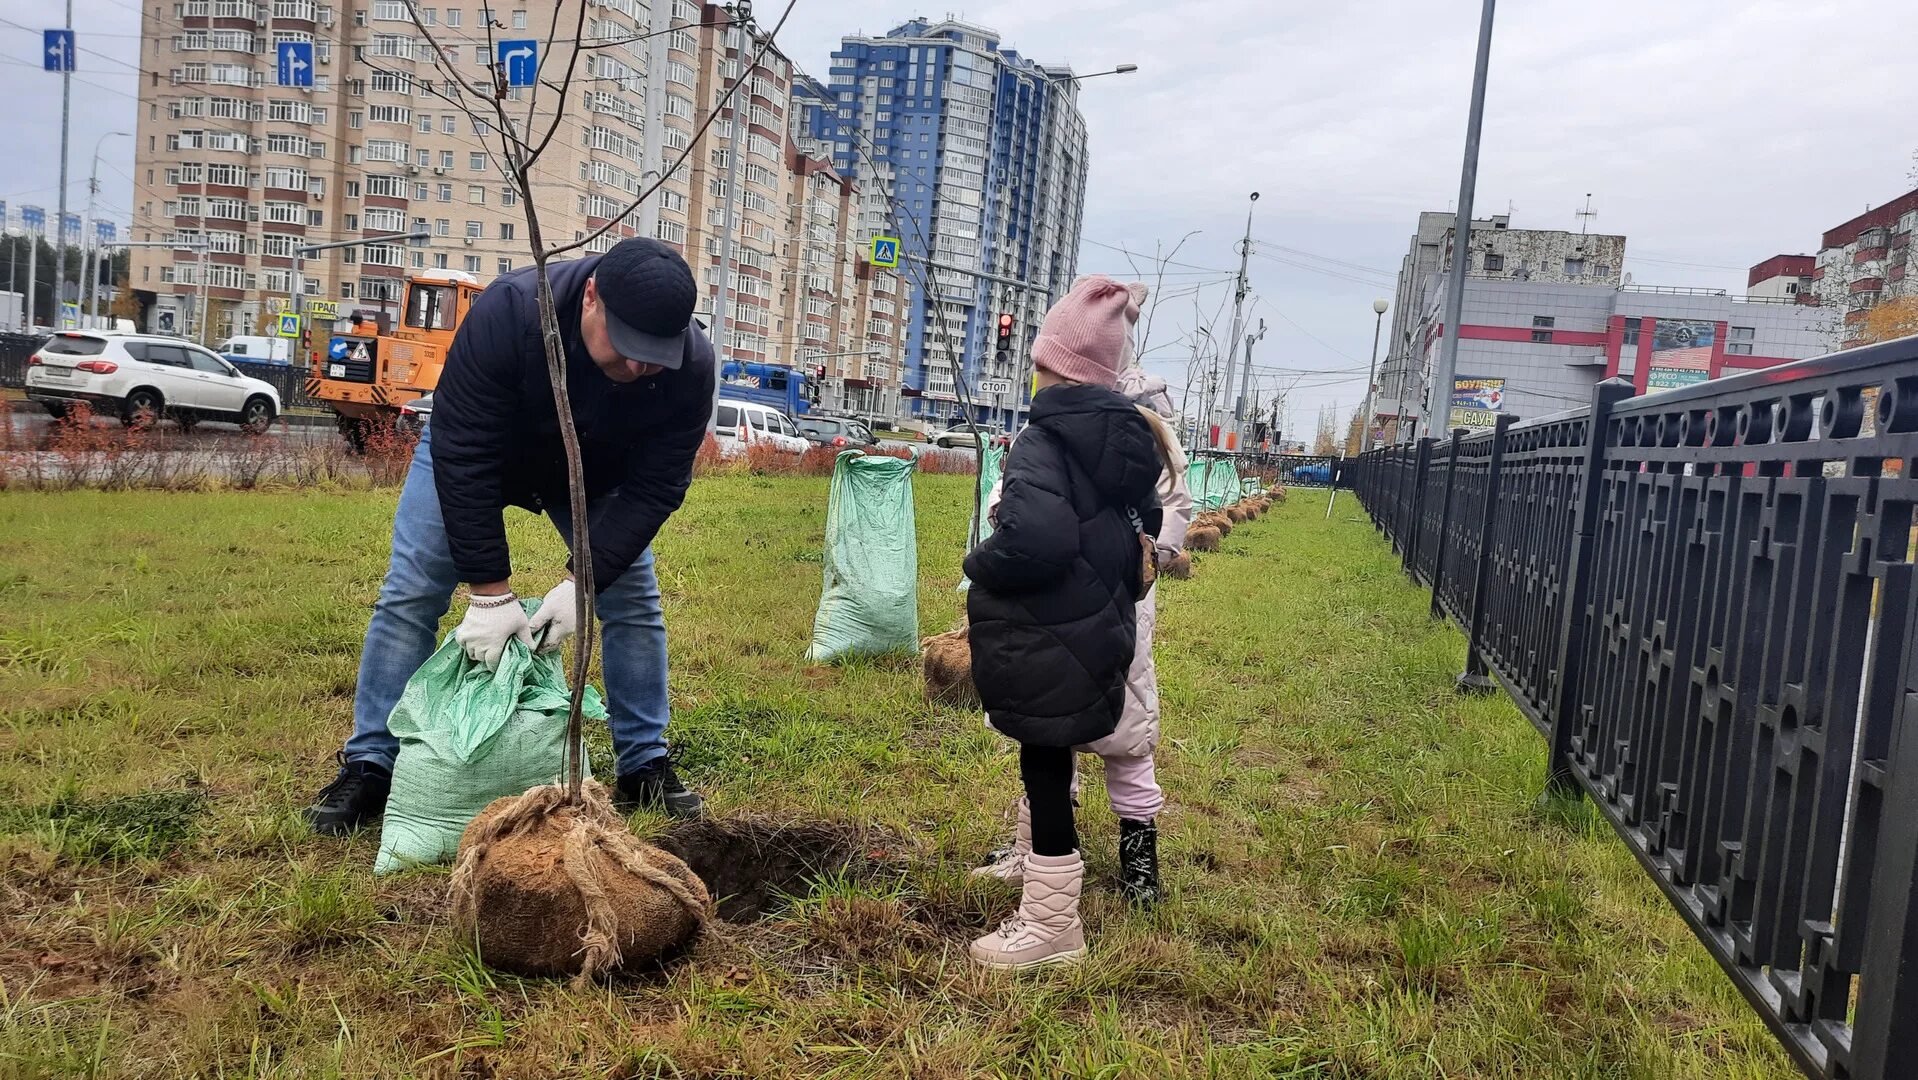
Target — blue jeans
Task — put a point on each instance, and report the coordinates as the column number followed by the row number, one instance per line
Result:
column 418, row 589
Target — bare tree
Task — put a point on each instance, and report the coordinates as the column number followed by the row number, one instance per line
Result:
column 516, row 150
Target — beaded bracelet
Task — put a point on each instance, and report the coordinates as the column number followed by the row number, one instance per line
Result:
column 490, row 602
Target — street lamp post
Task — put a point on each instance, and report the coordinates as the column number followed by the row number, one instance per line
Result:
column 90, row 297
column 1371, row 374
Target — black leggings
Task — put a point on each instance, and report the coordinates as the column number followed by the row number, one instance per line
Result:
column 1047, row 773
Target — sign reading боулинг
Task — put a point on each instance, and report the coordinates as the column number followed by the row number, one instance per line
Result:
column 1476, row 402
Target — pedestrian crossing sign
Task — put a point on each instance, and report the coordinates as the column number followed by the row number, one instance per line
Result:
column 289, row 326
column 885, row 251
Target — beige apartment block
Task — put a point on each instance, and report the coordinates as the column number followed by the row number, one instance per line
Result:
column 241, row 171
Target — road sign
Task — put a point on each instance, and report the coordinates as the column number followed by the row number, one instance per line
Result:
column 33, row 219
column 885, row 251
column 296, row 63
column 995, row 386
column 520, row 59
column 58, row 50
column 69, row 316
column 289, row 326
column 322, row 309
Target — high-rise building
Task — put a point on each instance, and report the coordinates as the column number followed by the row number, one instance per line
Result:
column 977, row 157
column 241, row 171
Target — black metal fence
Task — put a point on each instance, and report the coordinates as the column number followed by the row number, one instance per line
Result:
column 14, row 351
column 1703, row 599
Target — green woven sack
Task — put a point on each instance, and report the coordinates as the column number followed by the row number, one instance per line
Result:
column 870, row 603
column 468, row 736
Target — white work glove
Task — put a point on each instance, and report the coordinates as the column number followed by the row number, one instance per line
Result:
column 485, row 630
column 557, row 617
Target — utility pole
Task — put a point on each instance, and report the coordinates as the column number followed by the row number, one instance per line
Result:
column 1241, row 415
column 1438, row 399
column 92, row 276
column 1238, row 315
column 653, row 138
column 1371, row 373
column 33, row 274
column 60, row 225
column 736, row 22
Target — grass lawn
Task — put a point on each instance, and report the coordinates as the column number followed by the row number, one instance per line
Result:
column 1361, row 881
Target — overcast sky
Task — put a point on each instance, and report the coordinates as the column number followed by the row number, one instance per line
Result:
column 1712, row 133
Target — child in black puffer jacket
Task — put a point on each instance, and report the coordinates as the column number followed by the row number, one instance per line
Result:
column 1051, row 607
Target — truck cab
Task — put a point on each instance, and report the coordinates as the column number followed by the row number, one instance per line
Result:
column 364, row 375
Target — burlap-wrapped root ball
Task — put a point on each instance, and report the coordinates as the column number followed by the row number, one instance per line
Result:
column 1213, row 519
column 1235, row 512
column 947, row 660
column 1180, row 566
column 545, row 888
column 1202, row 538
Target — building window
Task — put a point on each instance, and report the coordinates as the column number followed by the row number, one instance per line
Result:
column 506, row 266
column 1740, row 333
column 475, row 194
column 472, row 264
column 1543, row 337
column 1736, row 349
column 519, row 20
column 346, row 289
column 1494, row 263
column 476, row 162
column 1631, row 331
column 505, row 230
column 1574, row 267
column 445, row 192
column 1546, row 321
column 475, row 229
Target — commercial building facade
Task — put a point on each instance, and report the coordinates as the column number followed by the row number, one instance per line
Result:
column 980, row 157
column 1547, row 314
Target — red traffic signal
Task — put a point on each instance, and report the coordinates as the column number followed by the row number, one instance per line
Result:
column 1005, row 328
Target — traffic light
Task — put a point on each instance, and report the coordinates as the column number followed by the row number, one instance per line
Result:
column 1005, row 330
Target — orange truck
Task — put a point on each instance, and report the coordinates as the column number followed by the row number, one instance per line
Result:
column 365, row 376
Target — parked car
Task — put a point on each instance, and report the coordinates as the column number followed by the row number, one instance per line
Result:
column 837, row 432
column 962, row 434
column 144, row 377
column 740, row 424
column 415, row 413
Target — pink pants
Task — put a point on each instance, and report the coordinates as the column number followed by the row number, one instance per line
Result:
column 1132, row 787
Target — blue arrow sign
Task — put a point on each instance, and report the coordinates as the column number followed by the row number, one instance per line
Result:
column 33, row 219
column 520, row 60
column 69, row 228
column 58, row 50
column 296, row 63
column 337, row 349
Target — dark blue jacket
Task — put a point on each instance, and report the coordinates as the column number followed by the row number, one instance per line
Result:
column 496, row 434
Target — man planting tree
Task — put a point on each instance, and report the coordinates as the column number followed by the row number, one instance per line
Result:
column 640, row 375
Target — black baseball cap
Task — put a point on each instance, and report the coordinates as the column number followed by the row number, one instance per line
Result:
column 648, row 295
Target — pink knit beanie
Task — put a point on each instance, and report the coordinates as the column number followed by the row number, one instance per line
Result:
column 1085, row 334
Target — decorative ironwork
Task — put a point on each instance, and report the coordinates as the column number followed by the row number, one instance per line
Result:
column 1703, row 599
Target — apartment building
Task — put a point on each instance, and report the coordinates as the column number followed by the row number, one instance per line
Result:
column 977, row 157
column 843, row 312
column 240, row 170
column 1866, row 261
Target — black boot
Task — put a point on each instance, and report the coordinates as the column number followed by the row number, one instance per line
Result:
column 1139, row 861
column 656, row 785
column 356, row 796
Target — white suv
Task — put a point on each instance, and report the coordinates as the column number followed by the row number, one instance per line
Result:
column 739, row 424
column 142, row 377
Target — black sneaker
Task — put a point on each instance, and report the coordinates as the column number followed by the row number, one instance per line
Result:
column 355, row 797
column 1139, row 861
column 656, row 786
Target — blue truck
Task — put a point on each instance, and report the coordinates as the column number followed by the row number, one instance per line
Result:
column 777, row 385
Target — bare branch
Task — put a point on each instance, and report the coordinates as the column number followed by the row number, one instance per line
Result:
column 691, row 145
column 566, row 84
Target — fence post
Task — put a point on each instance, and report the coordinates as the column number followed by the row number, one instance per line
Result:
column 1573, row 625
column 1445, row 524
column 1414, row 520
column 1475, row 679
